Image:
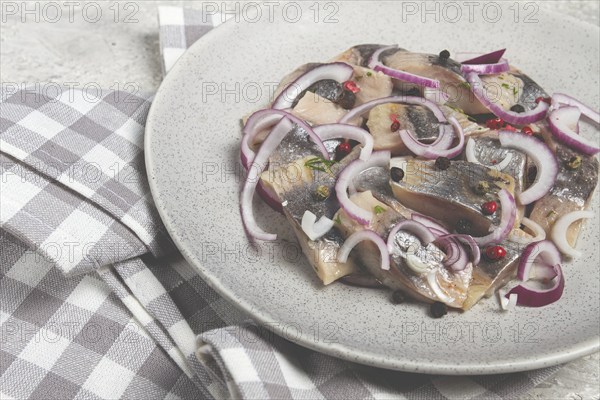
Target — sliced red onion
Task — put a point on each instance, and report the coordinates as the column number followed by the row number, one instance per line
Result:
column 420, row 101
column 471, row 157
column 559, row 231
column 509, row 302
column 512, row 117
column 345, row 131
column 528, row 294
column 435, row 286
column 486, row 69
column 414, row 227
column 560, row 98
column 315, row 229
column 542, row 272
column 469, row 241
column 429, row 222
column 478, row 58
column 431, row 152
column 269, row 197
column 376, row 64
column 456, row 256
column 437, row 233
column 362, row 216
column 338, row 71
column 358, row 237
column 254, row 171
column 561, row 122
column 264, row 118
column 541, row 155
column 507, row 220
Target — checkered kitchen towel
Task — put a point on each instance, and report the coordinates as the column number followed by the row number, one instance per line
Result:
column 95, row 302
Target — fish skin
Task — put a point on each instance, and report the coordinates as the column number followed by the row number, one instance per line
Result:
column 572, row 190
column 400, row 276
column 488, row 151
column 449, row 195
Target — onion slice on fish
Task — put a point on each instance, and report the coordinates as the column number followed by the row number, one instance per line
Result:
column 560, row 98
column 561, row 123
column 458, row 262
column 362, row 216
column 507, row 220
column 419, row 101
column 486, row 69
column 512, row 117
column 541, row 155
column 315, row 229
column 429, row 222
column 431, row 151
column 559, row 231
column 262, row 119
column 360, row 236
column 345, row 131
column 478, row 58
column 529, row 294
column 471, row 157
column 338, row 71
column 376, row 64
column 413, row 227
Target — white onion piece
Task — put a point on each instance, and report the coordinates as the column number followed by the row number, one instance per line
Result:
column 541, row 155
column 362, row 216
column 419, row 101
column 431, row 152
column 338, row 71
column 559, row 231
column 416, row 264
column 434, row 285
column 414, row 227
column 561, row 123
column 264, row 118
column 358, row 237
column 507, row 220
column 560, row 98
column 509, row 303
column 472, row 158
column 486, row 69
column 315, row 229
column 538, row 231
column 376, row 64
column 258, row 166
column 512, row 117
column 345, row 131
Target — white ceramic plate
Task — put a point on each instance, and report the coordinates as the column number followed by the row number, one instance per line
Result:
column 192, row 143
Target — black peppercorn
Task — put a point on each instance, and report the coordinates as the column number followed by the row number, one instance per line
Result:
column 398, row 297
column 517, row 108
column 464, row 226
column 346, row 99
column 442, row 163
column 444, row 56
column 397, row 174
column 438, row 309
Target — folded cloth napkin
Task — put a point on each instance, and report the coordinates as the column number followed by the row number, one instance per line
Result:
column 95, row 301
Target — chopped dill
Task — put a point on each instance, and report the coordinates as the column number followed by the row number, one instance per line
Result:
column 378, row 210
column 319, row 164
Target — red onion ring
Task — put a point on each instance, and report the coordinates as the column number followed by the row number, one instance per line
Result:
column 541, row 155
column 456, row 256
column 561, row 120
column 429, row 222
column 486, row 69
column 376, row 64
column 430, row 151
column 560, row 98
column 362, row 216
column 414, row 227
column 420, row 101
column 264, row 118
column 507, row 220
column 346, row 131
column 471, row 157
column 560, row 227
column 486, row 58
column 512, row 117
column 338, row 71
column 360, row 236
column 534, row 297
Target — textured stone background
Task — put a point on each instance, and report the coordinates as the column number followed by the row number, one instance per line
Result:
column 119, row 55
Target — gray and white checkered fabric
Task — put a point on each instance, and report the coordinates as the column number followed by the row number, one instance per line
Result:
column 95, row 302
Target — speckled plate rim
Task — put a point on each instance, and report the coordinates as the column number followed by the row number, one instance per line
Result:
column 352, row 354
